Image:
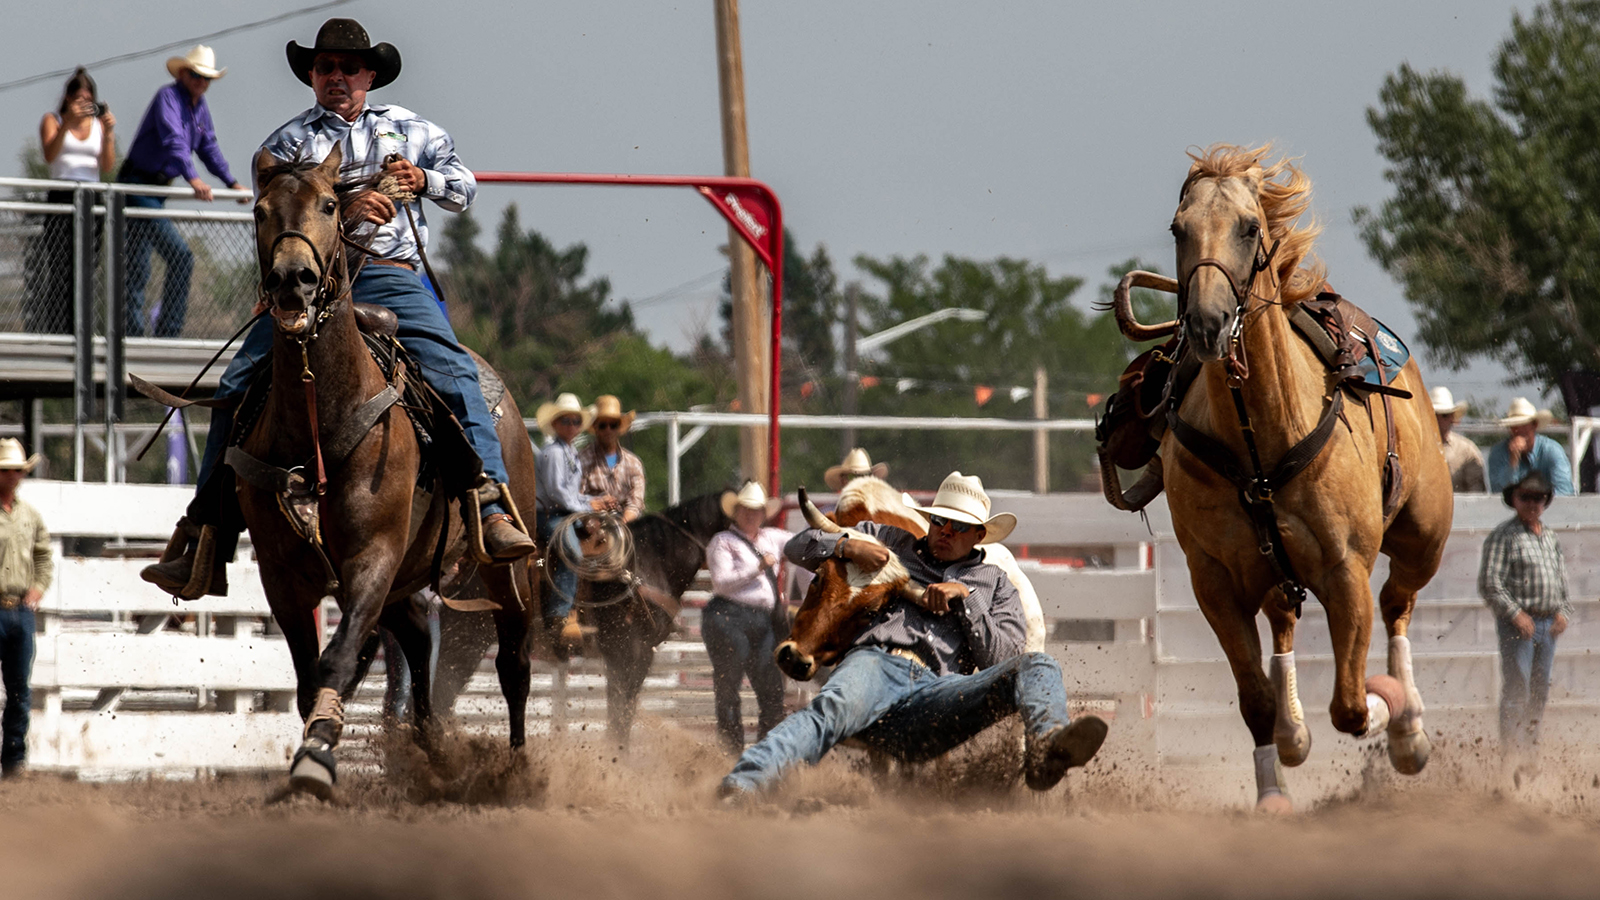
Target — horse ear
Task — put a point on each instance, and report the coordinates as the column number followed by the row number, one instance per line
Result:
column 265, row 162
column 330, row 166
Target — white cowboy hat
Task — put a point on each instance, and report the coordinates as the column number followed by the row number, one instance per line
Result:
column 750, row 496
column 961, row 498
column 11, row 456
column 856, row 463
column 609, row 407
column 1521, row 412
column 565, row 405
column 202, row 60
column 1444, row 403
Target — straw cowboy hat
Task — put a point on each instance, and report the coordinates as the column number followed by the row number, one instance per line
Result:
column 750, row 496
column 610, row 408
column 961, row 498
column 565, row 405
column 1533, row 482
column 1444, row 403
column 346, row 36
column 201, row 60
column 11, row 456
column 856, row 463
column 1521, row 412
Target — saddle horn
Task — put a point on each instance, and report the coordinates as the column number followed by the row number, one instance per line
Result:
column 1122, row 305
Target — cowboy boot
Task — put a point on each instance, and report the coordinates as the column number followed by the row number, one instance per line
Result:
column 503, row 541
column 189, row 568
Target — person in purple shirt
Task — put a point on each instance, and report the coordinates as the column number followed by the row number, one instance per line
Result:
column 175, row 128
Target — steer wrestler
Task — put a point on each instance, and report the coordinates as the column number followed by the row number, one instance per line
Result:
column 927, row 676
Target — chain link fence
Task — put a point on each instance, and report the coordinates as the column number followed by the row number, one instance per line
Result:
column 188, row 273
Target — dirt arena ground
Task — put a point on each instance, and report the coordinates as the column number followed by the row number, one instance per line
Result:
column 574, row 819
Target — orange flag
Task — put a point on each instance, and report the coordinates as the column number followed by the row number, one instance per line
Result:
column 1093, row 399
column 807, row 389
column 868, row 381
column 982, row 393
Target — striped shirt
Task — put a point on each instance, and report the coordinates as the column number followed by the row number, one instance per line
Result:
column 1523, row 572
column 382, row 129
column 25, row 560
column 623, row 482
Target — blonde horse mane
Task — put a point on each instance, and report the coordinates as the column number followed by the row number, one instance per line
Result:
column 1285, row 195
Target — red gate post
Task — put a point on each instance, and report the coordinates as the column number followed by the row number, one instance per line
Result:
column 751, row 208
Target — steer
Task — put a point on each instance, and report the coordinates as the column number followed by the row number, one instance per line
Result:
column 841, row 599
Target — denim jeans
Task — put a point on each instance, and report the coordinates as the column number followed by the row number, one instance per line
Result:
column 902, row 708
column 162, row 236
column 16, row 665
column 740, row 642
column 424, row 332
column 1525, row 665
column 557, row 603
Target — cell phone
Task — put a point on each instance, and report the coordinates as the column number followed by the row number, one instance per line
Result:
column 100, row 109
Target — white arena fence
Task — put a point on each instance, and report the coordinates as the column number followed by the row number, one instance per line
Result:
column 121, row 688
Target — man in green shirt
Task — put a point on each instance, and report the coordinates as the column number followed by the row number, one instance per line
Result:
column 25, row 569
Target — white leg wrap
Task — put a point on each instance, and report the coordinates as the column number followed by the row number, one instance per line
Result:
column 1377, row 715
column 1409, row 747
column 1289, row 731
column 1270, row 795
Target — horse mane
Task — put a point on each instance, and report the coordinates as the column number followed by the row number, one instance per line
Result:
column 1285, row 195
column 345, row 188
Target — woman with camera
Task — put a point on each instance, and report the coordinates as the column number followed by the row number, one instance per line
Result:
column 79, row 144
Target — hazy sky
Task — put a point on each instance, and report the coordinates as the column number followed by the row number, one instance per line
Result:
column 1043, row 130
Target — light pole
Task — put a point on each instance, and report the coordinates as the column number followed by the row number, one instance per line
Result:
column 854, row 346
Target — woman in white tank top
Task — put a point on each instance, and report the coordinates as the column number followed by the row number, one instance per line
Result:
column 79, row 143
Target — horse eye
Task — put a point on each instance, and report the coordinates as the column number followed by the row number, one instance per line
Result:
column 1176, row 231
column 261, row 214
column 1252, row 231
column 329, row 207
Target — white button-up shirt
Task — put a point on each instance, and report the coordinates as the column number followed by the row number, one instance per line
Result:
column 382, row 129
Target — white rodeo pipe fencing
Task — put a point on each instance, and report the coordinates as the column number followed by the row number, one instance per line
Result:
column 121, row 693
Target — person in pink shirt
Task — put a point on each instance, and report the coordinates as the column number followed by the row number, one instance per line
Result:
column 745, row 563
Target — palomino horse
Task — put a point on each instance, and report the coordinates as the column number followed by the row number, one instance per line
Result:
column 379, row 531
column 1261, row 392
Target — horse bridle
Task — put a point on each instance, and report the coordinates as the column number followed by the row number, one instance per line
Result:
column 1238, row 365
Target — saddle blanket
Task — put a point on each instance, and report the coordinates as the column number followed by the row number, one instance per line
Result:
column 1392, row 349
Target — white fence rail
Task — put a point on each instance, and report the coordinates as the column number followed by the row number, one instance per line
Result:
column 119, row 691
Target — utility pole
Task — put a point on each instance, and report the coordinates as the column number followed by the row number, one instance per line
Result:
column 852, row 297
column 750, row 322
column 1041, row 437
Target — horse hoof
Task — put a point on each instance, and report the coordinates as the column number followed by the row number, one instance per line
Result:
column 1409, row 753
column 1293, row 746
column 308, row 776
column 1274, row 803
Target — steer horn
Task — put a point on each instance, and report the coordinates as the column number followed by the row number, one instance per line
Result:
column 1122, row 305
column 814, row 516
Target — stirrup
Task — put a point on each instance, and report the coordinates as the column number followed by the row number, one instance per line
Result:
column 472, row 504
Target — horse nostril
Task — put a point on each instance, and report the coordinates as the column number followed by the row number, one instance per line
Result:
column 306, row 276
column 273, row 280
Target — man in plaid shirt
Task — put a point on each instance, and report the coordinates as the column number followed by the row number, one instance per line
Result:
column 1524, row 581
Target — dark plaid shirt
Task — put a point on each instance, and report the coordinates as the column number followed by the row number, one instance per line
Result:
column 1523, row 572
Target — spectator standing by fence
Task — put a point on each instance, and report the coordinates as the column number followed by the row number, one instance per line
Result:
column 1463, row 456
column 1525, row 451
column 78, row 144
column 738, row 625
column 1523, row 580
column 25, row 569
column 176, row 127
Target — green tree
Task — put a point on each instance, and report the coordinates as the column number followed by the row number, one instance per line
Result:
column 1493, row 229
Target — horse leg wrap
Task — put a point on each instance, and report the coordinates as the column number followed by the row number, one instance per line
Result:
column 1385, row 699
column 327, row 708
column 1409, row 747
column 1289, row 731
column 1270, row 795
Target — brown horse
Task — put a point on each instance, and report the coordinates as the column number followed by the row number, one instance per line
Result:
column 1240, row 251
column 379, row 529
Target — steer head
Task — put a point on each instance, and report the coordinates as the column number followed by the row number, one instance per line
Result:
column 841, row 601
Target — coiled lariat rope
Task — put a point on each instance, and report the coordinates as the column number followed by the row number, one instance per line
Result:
column 611, row 543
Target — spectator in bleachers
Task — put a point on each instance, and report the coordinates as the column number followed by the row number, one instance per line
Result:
column 25, row 570
column 856, row 464
column 175, row 128
column 1464, row 457
column 612, row 474
column 1523, row 580
column 78, row 144
column 1526, row 451
column 739, row 624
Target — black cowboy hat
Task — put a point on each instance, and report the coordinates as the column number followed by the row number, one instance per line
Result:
column 346, row 36
column 1534, row 483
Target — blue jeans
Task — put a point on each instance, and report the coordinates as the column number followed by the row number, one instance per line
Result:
column 162, row 236
column 424, row 332
column 558, row 603
column 1525, row 665
column 16, row 665
column 902, row 708
column 740, row 642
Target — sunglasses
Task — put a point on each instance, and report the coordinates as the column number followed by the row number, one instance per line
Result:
column 957, row 527
column 325, row 66
column 1528, row 497
column 573, row 421
column 607, row 426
